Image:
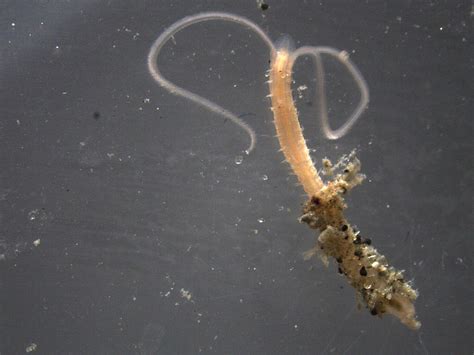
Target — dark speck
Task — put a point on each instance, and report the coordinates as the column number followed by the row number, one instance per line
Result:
column 373, row 311
column 344, row 227
column 264, row 6
column 368, row 241
column 315, row 200
column 363, row 271
column 358, row 253
column 96, row 115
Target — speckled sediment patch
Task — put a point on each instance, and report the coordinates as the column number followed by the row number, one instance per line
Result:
column 381, row 287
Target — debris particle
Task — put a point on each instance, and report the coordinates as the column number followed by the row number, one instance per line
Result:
column 262, row 5
column 186, row 294
column 300, row 90
column 30, row 348
column 37, row 242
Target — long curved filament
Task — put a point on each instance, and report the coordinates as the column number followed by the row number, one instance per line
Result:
column 175, row 89
column 343, row 58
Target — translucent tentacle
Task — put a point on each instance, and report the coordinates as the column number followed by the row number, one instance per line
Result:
column 174, row 89
column 343, row 58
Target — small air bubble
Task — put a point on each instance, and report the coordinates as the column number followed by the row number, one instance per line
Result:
column 238, row 159
column 260, row 220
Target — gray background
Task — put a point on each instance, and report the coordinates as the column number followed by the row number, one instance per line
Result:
column 135, row 193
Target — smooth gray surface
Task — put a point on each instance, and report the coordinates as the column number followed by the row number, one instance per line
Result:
column 133, row 203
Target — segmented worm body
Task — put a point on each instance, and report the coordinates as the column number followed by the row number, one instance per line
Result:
column 380, row 287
